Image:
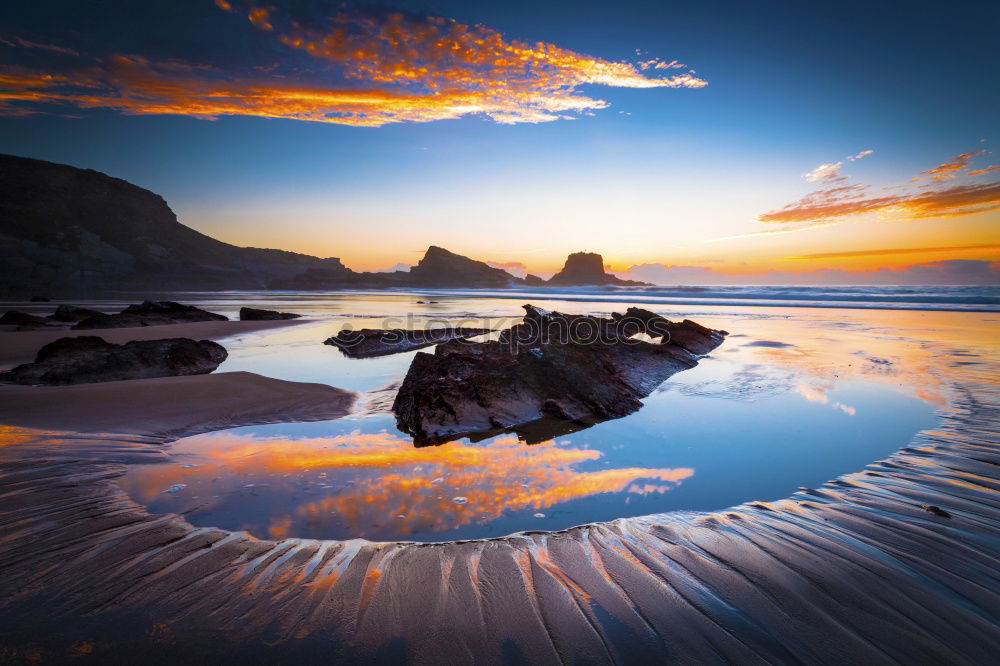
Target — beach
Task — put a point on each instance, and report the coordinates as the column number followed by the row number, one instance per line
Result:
column 835, row 568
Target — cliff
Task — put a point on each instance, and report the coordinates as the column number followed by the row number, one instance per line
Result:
column 441, row 268
column 65, row 229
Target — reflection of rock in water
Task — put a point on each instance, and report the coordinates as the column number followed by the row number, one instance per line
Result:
column 550, row 375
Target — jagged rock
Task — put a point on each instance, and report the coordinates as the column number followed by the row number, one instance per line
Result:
column 687, row 334
column 149, row 313
column 253, row 314
column 586, row 268
column 23, row 320
column 72, row 313
column 88, row 358
column 382, row 342
column 551, row 374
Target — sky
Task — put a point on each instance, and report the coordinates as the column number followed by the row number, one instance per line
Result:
column 721, row 142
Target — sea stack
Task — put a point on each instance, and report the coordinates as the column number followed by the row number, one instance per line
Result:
column 586, row 268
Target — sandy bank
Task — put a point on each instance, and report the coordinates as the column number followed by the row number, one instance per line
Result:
column 20, row 346
column 171, row 406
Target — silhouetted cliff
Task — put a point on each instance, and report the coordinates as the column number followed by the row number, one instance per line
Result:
column 583, row 268
column 67, row 230
column 64, row 229
column 441, row 268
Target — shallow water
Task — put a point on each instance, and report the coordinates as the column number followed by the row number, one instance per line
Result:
column 794, row 397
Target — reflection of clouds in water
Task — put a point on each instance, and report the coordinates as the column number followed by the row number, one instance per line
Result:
column 774, row 344
column 786, row 354
column 380, row 478
column 818, row 395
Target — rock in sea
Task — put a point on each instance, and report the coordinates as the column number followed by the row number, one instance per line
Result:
column 253, row 314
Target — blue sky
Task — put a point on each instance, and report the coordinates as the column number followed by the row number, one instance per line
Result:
column 657, row 177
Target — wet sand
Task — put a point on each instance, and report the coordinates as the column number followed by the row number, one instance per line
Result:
column 854, row 571
column 171, row 406
column 20, row 346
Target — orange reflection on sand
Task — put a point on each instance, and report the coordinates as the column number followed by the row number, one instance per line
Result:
column 382, row 480
column 887, row 349
column 12, row 436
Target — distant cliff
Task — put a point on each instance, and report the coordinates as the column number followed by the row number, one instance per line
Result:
column 441, row 268
column 64, row 229
column 585, row 268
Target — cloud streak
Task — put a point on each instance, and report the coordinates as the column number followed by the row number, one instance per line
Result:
column 346, row 68
column 838, row 198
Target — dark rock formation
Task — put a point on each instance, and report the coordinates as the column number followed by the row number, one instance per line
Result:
column 149, row 313
column 253, row 314
column 75, row 230
column 533, row 281
column 23, row 320
column 40, row 299
column 551, row 374
column 441, row 268
column 586, row 268
column 72, row 313
column 88, row 358
column 381, row 342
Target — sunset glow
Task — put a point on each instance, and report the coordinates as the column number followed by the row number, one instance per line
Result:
column 517, row 137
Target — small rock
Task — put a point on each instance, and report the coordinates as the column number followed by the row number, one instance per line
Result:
column 936, row 510
column 460, row 500
column 254, row 314
column 176, row 488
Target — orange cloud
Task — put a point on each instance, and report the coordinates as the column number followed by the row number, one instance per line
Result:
column 839, row 198
column 891, row 251
column 951, row 169
column 388, row 68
